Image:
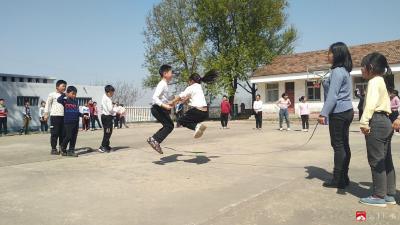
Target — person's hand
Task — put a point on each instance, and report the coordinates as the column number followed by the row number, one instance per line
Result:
column 46, row 116
column 396, row 124
column 365, row 130
column 321, row 120
column 167, row 107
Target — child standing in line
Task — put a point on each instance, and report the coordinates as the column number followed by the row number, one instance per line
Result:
column 85, row 117
column 375, row 124
column 71, row 121
column 161, row 110
column 198, row 111
column 43, row 122
column 304, row 113
column 257, row 107
column 116, row 115
column 26, row 119
column 394, row 105
column 3, row 117
column 361, row 95
column 122, row 119
column 225, row 110
column 283, row 104
column 56, row 112
column 107, row 118
column 94, row 116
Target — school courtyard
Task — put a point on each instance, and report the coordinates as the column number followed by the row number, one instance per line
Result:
column 238, row 176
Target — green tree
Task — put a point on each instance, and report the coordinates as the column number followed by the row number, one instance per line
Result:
column 172, row 37
column 241, row 36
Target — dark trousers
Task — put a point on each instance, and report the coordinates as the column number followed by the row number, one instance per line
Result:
column 116, row 120
column 304, row 121
column 122, row 121
column 93, row 119
column 85, row 121
column 25, row 126
column 162, row 116
column 284, row 114
column 3, row 125
column 393, row 116
column 192, row 117
column 380, row 156
column 177, row 116
column 44, row 126
column 56, row 130
column 360, row 112
column 258, row 116
column 224, row 119
column 339, row 128
column 70, row 135
column 107, row 121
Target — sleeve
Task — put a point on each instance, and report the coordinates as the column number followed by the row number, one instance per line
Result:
column 108, row 106
column 334, row 88
column 187, row 92
column 61, row 99
column 370, row 104
column 157, row 93
column 49, row 102
column 397, row 102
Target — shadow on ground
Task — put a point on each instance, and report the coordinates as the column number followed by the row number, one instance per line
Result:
column 197, row 159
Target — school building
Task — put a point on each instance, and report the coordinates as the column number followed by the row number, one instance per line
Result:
column 297, row 75
column 16, row 89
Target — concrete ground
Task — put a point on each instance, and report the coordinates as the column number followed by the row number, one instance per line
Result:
column 228, row 177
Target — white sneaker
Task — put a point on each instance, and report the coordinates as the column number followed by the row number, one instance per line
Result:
column 281, row 129
column 305, row 130
column 288, row 129
column 200, row 128
column 397, row 133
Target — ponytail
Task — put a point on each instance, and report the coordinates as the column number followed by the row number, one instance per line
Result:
column 209, row 78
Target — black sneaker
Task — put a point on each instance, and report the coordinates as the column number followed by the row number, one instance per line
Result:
column 54, row 152
column 63, row 152
column 102, row 149
column 109, row 148
column 71, row 153
column 155, row 145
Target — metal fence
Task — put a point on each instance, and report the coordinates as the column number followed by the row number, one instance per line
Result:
column 138, row 114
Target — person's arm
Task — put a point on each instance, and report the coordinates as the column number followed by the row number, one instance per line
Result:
column 47, row 107
column 156, row 96
column 334, row 88
column 289, row 103
column 61, row 99
column 396, row 103
column 183, row 95
column 370, row 104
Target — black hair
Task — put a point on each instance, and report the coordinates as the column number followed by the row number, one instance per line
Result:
column 59, row 82
column 395, row 92
column 109, row 88
column 26, row 101
column 121, row 105
column 341, row 56
column 258, row 95
column 94, row 102
column 42, row 102
column 163, row 69
column 209, row 78
column 224, row 96
column 301, row 98
column 377, row 63
column 1, row 99
column 71, row 89
column 283, row 95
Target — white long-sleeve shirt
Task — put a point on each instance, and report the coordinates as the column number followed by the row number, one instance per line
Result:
column 196, row 95
column 52, row 106
column 106, row 106
column 160, row 95
column 257, row 106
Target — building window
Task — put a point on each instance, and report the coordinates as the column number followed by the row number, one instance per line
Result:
column 83, row 101
column 21, row 79
column 313, row 91
column 12, row 79
column 360, row 84
column 33, row 100
column 30, row 80
column 37, row 80
column 45, row 81
column 4, row 78
column 272, row 92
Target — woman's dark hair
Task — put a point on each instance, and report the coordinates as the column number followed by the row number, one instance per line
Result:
column 163, row 69
column 341, row 56
column 396, row 92
column 209, row 78
column 224, row 96
column 377, row 64
column 283, row 95
column 301, row 98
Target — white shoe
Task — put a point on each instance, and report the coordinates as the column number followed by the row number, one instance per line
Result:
column 281, row 129
column 397, row 133
column 200, row 128
column 288, row 129
column 305, row 130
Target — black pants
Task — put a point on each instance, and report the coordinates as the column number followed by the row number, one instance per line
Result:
column 304, row 121
column 44, row 126
column 224, row 119
column 258, row 116
column 177, row 116
column 56, row 130
column 122, row 121
column 380, row 156
column 93, row 119
column 192, row 117
column 339, row 128
column 3, row 125
column 70, row 135
column 116, row 120
column 107, row 121
column 162, row 116
column 360, row 112
column 393, row 116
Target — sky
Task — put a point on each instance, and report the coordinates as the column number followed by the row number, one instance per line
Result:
column 97, row 41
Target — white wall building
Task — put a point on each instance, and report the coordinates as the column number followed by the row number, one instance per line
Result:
column 296, row 75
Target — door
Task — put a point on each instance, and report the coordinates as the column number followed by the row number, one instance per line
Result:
column 289, row 90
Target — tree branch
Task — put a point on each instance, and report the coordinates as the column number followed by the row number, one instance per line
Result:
column 244, row 88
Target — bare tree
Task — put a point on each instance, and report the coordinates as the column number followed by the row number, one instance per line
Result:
column 125, row 93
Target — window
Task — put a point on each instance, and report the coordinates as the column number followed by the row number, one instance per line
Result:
column 313, row 90
column 272, row 92
column 30, row 80
column 33, row 100
column 45, row 81
column 360, row 84
column 21, row 79
column 4, row 78
column 37, row 80
column 83, row 101
column 12, row 79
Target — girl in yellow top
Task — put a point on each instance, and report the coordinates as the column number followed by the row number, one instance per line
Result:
column 377, row 128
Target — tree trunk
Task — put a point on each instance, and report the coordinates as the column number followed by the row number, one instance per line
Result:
column 232, row 95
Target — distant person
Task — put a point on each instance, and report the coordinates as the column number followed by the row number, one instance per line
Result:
column 360, row 93
column 43, row 122
column 26, row 119
column 225, row 110
column 122, row 119
column 107, row 118
column 116, row 115
column 258, row 110
column 94, row 116
column 85, row 117
column 56, row 112
column 3, row 117
column 394, row 105
column 304, row 113
column 71, row 121
column 283, row 104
